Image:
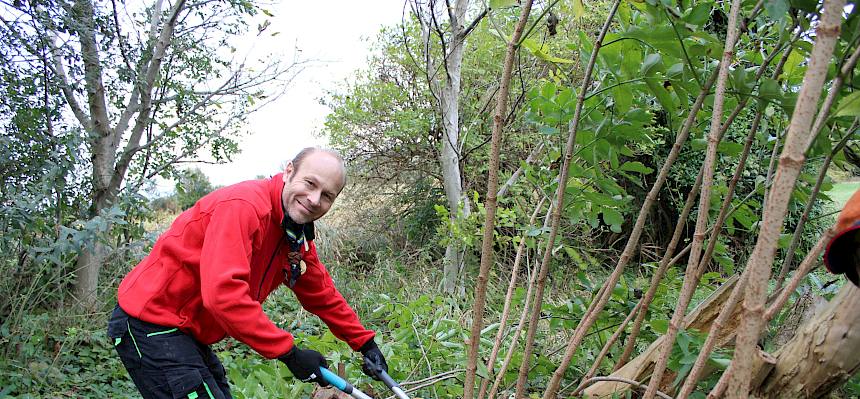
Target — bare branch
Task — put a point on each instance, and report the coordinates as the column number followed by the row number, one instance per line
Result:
column 792, row 158
column 616, row 379
column 490, row 202
column 516, row 175
column 60, row 71
column 805, row 267
column 145, row 89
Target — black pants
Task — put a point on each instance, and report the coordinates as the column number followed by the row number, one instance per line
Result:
column 164, row 362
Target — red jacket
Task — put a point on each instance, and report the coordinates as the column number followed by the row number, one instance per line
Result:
column 210, row 272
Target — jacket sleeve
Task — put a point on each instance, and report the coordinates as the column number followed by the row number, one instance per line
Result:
column 224, row 275
column 316, row 292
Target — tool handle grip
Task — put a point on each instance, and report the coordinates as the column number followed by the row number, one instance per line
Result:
column 387, row 380
column 392, row 385
column 341, row 384
column 334, row 379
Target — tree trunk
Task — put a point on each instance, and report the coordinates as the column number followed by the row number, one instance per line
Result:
column 821, row 356
column 490, row 204
column 103, row 149
column 791, row 160
column 448, row 96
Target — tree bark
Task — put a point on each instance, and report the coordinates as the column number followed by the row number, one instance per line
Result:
column 821, row 356
column 633, row 241
column 101, row 142
column 705, row 352
column 490, row 203
column 694, row 267
column 449, row 107
column 791, row 160
column 813, row 196
column 658, row 274
column 506, row 308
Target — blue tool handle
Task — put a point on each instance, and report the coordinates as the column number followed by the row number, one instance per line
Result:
column 334, row 379
column 341, row 384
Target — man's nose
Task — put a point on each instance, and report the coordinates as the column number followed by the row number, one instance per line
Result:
column 314, row 198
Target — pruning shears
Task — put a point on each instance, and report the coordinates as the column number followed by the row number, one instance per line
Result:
column 393, row 386
column 349, row 389
column 341, row 384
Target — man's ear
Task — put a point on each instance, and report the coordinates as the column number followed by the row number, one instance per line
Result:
column 288, row 171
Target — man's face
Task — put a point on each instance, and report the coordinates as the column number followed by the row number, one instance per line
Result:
column 310, row 191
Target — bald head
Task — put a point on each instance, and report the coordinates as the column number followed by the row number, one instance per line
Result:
column 315, row 152
column 312, row 181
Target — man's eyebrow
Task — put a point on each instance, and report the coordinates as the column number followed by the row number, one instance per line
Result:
column 317, row 181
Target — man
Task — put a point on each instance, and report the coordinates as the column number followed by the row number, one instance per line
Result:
column 209, row 273
column 843, row 252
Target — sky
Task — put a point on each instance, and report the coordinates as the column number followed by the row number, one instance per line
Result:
column 336, row 32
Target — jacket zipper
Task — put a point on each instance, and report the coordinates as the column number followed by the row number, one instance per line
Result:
column 265, row 273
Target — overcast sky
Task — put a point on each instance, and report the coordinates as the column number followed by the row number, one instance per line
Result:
column 337, row 32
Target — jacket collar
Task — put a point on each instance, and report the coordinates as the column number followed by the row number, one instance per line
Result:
column 276, row 188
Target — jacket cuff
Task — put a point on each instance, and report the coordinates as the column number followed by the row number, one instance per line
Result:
column 370, row 344
column 289, row 353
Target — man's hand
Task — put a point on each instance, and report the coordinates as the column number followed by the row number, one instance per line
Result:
column 374, row 362
column 305, row 364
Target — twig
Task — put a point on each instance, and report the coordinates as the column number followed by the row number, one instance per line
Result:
column 490, row 204
column 616, row 379
column 508, row 300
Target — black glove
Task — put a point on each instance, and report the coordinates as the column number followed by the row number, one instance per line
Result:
column 374, row 362
column 305, row 364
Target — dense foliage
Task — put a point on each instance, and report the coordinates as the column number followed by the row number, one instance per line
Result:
column 385, row 239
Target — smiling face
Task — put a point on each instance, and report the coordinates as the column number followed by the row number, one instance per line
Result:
column 311, row 188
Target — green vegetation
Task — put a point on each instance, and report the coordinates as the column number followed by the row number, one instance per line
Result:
column 386, row 240
column 841, row 192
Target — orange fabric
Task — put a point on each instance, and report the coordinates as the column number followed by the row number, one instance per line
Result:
column 850, row 214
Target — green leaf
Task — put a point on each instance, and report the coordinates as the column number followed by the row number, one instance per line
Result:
column 637, row 167
column 540, row 51
column 699, row 14
column 730, row 148
column 660, row 326
column 578, row 9
column 651, row 62
column 548, row 90
column 499, row 4
column 769, row 89
column 776, row 9
column 721, row 362
column 675, row 71
column 612, row 217
column 849, row 105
